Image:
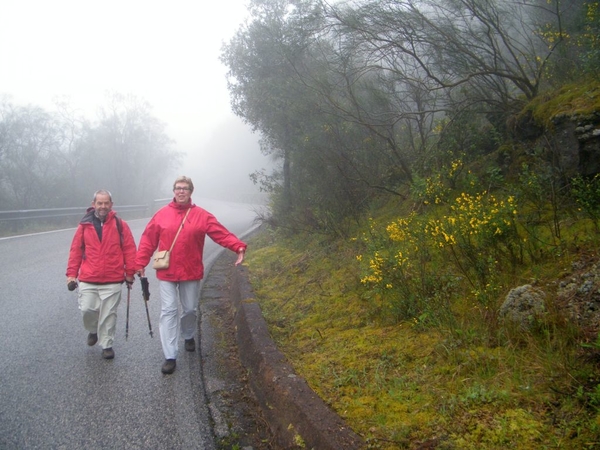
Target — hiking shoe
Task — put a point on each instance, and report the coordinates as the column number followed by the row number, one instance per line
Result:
column 92, row 339
column 108, row 353
column 169, row 366
column 190, row 345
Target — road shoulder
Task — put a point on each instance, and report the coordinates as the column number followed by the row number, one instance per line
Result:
column 237, row 417
column 269, row 392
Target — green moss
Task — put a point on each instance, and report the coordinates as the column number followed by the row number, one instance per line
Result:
column 398, row 385
column 575, row 100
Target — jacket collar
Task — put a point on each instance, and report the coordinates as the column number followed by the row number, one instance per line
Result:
column 178, row 206
column 89, row 215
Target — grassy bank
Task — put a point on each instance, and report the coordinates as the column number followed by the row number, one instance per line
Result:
column 421, row 359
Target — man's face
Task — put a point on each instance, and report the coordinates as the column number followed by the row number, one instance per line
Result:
column 182, row 193
column 103, row 205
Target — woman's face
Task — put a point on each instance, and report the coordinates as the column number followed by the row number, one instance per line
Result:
column 182, row 192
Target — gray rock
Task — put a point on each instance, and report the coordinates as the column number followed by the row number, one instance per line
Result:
column 523, row 306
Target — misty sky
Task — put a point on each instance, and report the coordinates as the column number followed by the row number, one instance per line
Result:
column 165, row 52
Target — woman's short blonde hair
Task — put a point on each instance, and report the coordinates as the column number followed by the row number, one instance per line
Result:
column 184, row 179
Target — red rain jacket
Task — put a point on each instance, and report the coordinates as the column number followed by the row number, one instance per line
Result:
column 186, row 258
column 92, row 261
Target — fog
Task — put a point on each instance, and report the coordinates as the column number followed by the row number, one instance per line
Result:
column 166, row 53
column 222, row 170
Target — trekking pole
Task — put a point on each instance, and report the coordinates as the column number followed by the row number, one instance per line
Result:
column 127, row 316
column 146, row 295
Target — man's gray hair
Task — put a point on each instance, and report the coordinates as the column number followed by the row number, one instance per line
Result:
column 102, row 192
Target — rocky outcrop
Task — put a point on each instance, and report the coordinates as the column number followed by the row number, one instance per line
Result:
column 588, row 137
column 524, row 306
column 578, row 294
column 572, row 142
column 574, row 298
column 575, row 140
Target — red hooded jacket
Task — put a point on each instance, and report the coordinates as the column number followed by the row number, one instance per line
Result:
column 186, row 258
column 92, row 261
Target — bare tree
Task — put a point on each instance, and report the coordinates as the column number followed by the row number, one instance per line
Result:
column 128, row 148
column 30, row 142
column 59, row 158
column 489, row 51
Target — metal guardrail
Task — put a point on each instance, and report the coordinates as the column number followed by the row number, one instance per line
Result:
column 55, row 213
column 49, row 213
column 159, row 203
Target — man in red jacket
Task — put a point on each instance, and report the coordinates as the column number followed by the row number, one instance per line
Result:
column 182, row 277
column 102, row 256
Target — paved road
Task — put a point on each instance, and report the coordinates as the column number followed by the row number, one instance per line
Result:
column 56, row 392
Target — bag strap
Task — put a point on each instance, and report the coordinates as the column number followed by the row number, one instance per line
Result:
column 120, row 228
column 180, row 227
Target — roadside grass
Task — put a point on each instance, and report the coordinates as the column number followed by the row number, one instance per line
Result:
column 447, row 381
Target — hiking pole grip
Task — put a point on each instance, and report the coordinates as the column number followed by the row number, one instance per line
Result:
column 146, row 295
column 145, row 288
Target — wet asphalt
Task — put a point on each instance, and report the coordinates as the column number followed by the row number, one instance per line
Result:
column 58, row 393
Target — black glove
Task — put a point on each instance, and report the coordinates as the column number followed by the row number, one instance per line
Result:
column 72, row 285
column 145, row 288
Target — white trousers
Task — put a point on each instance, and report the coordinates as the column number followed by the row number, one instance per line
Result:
column 170, row 320
column 98, row 305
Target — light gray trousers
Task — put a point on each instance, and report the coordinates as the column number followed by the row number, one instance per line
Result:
column 170, row 320
column 98, row 305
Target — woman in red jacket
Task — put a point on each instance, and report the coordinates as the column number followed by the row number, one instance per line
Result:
column 182, row 277
column 102, row 256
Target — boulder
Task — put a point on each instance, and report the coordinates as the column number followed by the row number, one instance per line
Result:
column 524, row 306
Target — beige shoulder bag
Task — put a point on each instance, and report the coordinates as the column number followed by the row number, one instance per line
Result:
column 161, row 259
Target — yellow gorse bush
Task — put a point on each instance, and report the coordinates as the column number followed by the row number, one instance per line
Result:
column 480, row 215
column 477, row 231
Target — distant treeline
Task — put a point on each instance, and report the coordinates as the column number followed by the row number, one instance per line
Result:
column 51, row 159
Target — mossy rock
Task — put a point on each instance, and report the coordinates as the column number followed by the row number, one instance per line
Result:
column 576, row 102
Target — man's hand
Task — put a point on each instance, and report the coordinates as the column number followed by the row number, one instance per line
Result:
column 240, row 257
column 141, row 273
column 129, row 280
column 71, row 283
